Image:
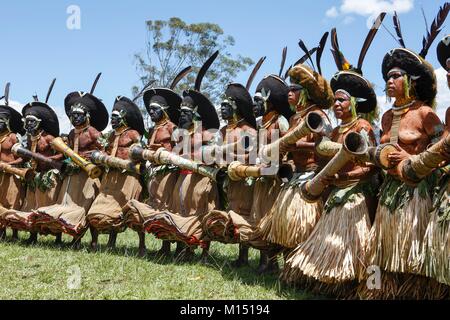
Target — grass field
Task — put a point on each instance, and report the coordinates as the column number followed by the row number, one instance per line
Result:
column 45, row 271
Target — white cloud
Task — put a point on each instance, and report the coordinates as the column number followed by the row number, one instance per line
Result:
column 370, row 8
column 332, row 12
column 348, row 19
column 443, row 95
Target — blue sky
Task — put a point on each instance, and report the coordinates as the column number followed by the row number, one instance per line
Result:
column 37, row 45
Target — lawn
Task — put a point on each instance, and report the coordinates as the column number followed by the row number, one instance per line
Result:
column 45, row 271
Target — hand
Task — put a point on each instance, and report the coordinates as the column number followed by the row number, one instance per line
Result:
column 397, row 156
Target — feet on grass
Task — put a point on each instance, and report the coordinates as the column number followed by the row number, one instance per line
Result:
column 32, row 239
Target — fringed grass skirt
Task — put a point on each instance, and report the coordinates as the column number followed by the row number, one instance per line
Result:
column 332, row 258
column 291, row 219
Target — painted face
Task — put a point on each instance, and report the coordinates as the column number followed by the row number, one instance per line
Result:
column 186, row 118
column 116, row 120
column 394, row 84
column 342, row 106
column 78, row 118
column 32, row 125
column 226, row 110
column 3, row 125
column 156, row 112
column 259, row 107
column 293, row 96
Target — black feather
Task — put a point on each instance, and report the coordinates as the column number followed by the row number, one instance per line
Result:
column 143, row 89
column 436, row 27
column 300, row 61
column 283, row 60
column 7, row 93
column 398, row 29
column 335, row 49
column 180, row 76
column 320, row 49
column 50, row 89
column 36, row 98
column 95, row 83
column 204, row 68
column 303, row 47
column 254, row 72
column 370, row 36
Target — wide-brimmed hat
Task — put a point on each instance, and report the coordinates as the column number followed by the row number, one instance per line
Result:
column 97, row 110
column 278, row 94
column 49, row 119
column 357, row 86
column 167, row 98
column 244, row 103
column 133, row 115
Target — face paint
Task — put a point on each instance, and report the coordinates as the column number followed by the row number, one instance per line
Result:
column 186, row 118
column 31, row 125
column 117, row 120
column 156, row 112
column 78, row 116
column 226, row 109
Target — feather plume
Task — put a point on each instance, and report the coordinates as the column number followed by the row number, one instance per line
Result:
column 95, row 83
column 50, row 89
column 254, row 72
column 320, row 49
column 398, row 29
column 436, row 27
column 180, row 76
column 143, row 89
column 204, row 68
column 300, row 61
column 283, row 61
column 370, row 36
column 306, row 51
column 6, row 96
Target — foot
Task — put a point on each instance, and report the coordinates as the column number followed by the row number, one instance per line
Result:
column 76, row 244
column 204, row 257
column 94, row 246
column 58, row 239
column 112, row 241
column 2, row 234
column 15, row 235
column 238, row 263
column 32, row 239
column 185, row 255
column 142, row 252
column 165, row 249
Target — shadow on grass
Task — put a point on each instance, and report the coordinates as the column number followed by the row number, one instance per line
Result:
column 219, row 260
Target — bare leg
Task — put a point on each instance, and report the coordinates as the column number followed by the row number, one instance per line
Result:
column 15, row 235
column 142, row 248
column 58, row 239
column 112, row 240
column 75, row 244
column 205, row 253
column 242, row 260
column 2, row 233
column 33, row 238
column 165, row 248
column 94, row 241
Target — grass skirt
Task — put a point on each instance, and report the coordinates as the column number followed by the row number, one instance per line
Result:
column 291, row 220
column 11, row 193
column 331, row 260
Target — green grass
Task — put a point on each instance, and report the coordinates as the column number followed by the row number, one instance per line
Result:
column 45, row 271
